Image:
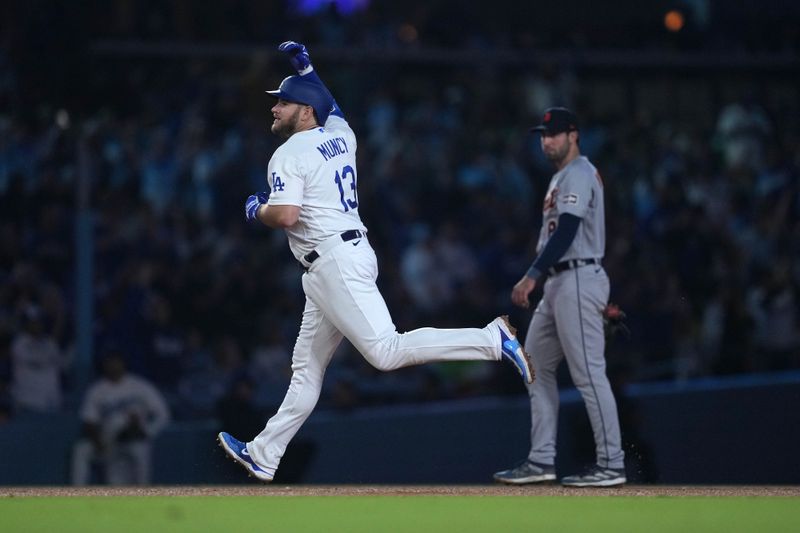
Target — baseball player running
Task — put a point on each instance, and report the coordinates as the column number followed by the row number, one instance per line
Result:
column 314, row 197
column 568, row 321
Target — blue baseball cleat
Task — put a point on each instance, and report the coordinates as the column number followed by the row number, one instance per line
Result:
column 237, row 450
column 512, row 349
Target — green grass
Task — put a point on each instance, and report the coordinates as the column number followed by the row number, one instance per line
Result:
column 486, row 514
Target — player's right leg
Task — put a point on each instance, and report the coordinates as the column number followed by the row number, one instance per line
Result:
column 343, row 282
column 140, row 452
column 542, row 343
column 580, row 327
column 119, row 467
column 316, row 342
column 83, row 453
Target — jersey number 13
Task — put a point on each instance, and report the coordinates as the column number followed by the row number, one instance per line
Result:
column 347, row 179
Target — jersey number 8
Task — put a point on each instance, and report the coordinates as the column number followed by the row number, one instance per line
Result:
column 352, row 201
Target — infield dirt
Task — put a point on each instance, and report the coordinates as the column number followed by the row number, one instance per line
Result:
column 402, row 490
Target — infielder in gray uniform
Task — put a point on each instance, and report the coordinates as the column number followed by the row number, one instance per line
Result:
column 568, row 321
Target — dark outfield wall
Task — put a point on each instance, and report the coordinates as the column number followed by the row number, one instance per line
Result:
column 738, row 430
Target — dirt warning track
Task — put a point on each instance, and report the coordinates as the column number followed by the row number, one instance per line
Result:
column 402, row 490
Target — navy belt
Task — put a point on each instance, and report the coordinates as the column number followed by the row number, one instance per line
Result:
column 348, row 235
column 572, row 263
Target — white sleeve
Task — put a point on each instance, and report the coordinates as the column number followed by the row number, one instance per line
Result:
column 285, row 180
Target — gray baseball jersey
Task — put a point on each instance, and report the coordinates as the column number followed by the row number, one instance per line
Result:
column 568, row 320
column 576, row 189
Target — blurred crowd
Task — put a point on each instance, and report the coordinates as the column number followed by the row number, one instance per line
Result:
column 702, row 219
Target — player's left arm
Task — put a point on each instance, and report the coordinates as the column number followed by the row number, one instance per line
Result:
column 301, row 61
column 557, row 245
column 279, row 216
column 573, row 204
column 274, row 216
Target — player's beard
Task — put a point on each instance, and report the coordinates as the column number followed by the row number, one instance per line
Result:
column 287, row 126
column 557, row 155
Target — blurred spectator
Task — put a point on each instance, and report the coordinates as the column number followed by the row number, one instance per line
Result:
column 774, row 305
column 477, row 173
column 454, row 258
column 37, row 365
column 201, row 388
column 121, row 415
column 743, row 128
column 552, row 86
column 423, row 277
column 381, row 117
column 269, row 367
column 159, row 172
column 166, row 349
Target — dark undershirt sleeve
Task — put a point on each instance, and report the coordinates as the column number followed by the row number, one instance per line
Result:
column 557, row 245
column 314, row 77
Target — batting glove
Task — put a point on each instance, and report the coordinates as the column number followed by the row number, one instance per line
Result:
column 298, row 56
column 254, row 201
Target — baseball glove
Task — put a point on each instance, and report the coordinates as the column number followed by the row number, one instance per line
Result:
column 614, row 322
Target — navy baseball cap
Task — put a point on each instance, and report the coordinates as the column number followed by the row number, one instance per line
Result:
column 557, row 120
column 300, row 90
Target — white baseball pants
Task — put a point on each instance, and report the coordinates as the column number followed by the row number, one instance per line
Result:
column 122, row 464
column 342, row 300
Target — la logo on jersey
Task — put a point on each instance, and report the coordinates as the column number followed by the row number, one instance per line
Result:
column 277, row 183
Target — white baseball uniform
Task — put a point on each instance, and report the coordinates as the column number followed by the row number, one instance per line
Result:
column 110, row 405
column 316, row 170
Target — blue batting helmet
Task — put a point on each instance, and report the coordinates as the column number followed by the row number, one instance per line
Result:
column 301, row 91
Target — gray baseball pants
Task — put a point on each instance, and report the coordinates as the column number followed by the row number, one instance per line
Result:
column 568, row 323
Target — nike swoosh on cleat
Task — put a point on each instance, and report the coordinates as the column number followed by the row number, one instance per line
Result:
column 356, row 243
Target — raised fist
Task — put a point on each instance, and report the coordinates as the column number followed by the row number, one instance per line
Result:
column 298, row 56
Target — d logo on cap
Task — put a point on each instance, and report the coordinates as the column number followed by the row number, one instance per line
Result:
column 557, row 120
